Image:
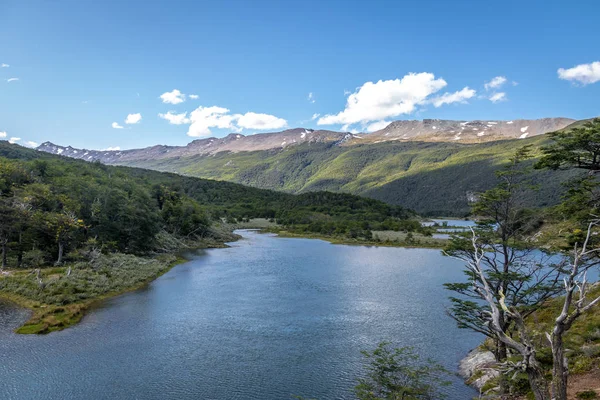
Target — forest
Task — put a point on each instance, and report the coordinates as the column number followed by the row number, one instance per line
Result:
column 54, row 208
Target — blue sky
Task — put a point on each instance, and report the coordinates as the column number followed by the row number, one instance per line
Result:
column 84, row 66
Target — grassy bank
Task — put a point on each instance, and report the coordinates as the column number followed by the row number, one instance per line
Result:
column 60, row 296
column 379, row 238
column 400, row 239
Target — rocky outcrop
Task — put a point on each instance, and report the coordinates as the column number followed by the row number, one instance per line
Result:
column 477, row 368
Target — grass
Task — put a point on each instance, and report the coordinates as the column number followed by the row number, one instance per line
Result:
column 419, row 241
column 63, row 299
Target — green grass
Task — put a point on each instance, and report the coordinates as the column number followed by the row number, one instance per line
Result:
column 64, row 299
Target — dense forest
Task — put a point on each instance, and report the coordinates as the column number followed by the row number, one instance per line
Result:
column 51, row 206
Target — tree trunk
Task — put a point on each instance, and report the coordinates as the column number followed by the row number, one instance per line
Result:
column 20, row 253
column 537, row 381
column 560, row 369
column 3, row 254
column 61, row 247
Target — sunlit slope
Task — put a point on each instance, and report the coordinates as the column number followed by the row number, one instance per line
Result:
column 432, row 178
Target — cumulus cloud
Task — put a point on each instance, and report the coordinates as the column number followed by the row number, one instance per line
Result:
column 133, row 118
column 252, row 120
column 385, row 99
column 175, row 119
column 9, row 80
column 460, row 96
column 582, row 73
column 376, row 126
column 311, row 97
column 495, row 83
column 202, row 119
column 2, row 134
column 194, row 96
column 13, row 140
column 116, row 126
column 31, row 144
column 173, row 97
column 498, row 97
column 4, row 65
column 315, row 116
column 115, row 148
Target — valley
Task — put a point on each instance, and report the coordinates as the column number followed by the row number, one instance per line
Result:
column 408, row 163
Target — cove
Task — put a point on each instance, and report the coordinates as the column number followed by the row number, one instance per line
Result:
column 267, row 318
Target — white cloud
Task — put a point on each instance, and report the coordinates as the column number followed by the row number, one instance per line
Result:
column 311, row 97
column 31, row 144
column 13, row 140
column 202, row 119
column 315, row 116
column 385, row 99
column 498, row 97
column 116, row 126
column 457, row 97
column 194, row 96
column 173, row 97
column 495, row 83
column 4, row 65
column 175, row 119
column 582, row 73
column 346, row 92
column 133, row 118
column 252, row 120
column 376, row 126
column 2, row 134
column 116, row 148
column 9, row 80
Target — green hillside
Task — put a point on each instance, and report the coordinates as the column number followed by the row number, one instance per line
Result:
column 431, row 178
column 126, row 208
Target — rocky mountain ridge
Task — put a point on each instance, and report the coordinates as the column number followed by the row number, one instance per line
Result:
column 427, row 130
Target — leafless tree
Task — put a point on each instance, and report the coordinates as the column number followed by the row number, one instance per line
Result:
column 497, row 307
column 575, row 303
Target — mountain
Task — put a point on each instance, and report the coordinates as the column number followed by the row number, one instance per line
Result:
column 417, row 164
column 435, row 130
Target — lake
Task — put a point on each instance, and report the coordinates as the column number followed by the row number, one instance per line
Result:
column 267, row 318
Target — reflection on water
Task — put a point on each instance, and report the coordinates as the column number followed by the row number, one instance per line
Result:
column 265, row 319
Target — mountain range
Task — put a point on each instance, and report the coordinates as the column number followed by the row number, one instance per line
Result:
column 431, row 166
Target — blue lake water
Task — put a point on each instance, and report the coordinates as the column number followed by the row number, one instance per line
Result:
column 267, row 318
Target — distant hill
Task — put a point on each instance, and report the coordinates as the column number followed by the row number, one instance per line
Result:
column 431, row 166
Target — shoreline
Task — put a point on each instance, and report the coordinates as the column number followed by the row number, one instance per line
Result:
column 46, row 318
column 358, row 242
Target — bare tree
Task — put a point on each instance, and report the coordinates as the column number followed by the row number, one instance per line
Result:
column 580, row 261
column 496, row 313
column 512, row 265
column 497, row 307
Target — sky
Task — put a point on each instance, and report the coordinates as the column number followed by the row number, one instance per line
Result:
column 115, row 74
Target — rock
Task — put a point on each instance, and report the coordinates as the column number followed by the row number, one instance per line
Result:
column 477, row 368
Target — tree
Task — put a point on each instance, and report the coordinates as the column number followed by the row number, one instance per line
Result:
column 497, row 312
column 579, row 261
column 8, row 221
column 578, row 147
column 63, row 227
column 399, row 374
column 511, row 265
